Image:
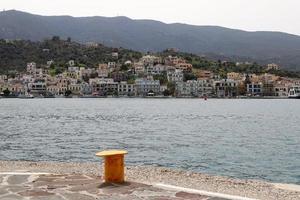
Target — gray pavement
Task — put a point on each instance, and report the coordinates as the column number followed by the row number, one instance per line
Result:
column 83, row 187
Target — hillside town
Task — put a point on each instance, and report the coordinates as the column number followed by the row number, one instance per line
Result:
column 150, row 76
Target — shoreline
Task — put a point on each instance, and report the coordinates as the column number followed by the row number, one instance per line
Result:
column 157, row 97
column 157, row 175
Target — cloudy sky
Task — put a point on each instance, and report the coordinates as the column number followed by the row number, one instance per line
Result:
column 251, row 15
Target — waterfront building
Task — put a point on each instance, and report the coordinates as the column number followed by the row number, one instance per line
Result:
column 205, row 87
column 86, row 89
column 125, row 89
column 53, row 89
column 268, row 88
column 4, row 86
column 163, row 88
column 104, row 87
column 147, row 86
column 225, row 88
column 17, row 88
column 255, row 88
column 281, row 90
column 75, row 88
column 196, row 88
column 62, row 84
column 38, row 87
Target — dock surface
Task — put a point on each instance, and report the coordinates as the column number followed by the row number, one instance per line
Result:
column 55, row 181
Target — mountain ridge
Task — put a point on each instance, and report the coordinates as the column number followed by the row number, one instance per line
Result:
column 150, row 35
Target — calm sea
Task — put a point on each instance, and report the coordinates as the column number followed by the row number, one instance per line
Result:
column 257, row 139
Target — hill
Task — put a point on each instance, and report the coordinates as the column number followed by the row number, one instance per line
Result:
column 14, row 55
column 149, row 35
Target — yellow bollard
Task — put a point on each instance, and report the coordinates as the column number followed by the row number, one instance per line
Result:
column 113, row 165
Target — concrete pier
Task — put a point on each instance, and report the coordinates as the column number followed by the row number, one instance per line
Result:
column 50, row 180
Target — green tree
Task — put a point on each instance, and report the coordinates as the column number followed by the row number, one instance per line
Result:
column 68, row 93
column 171, row 88
column 6, row 92
column 163, row 79
column 124, row 68
column 189, row 76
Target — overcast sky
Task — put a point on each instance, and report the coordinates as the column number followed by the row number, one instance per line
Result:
column 251, row 15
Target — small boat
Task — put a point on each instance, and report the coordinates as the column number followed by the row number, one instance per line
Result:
column 294, row 92
column 25, row 96
column 59, row 96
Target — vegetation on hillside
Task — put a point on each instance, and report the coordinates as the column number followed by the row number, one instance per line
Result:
column 14, row 55
column 222, row 68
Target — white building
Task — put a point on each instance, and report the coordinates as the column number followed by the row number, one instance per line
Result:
column 139, row 68
column 71, row 63
column 198, row 88
column 31, row 67
column 104, row 86
column 255, row 88
column 156, row 69
column 111, row 66
column 150, row 60
column 103, row 71
column 175, row 75
column 125, row 89
column 146, row 86
column 273, row 66
column 225, row 88
column 38, row 86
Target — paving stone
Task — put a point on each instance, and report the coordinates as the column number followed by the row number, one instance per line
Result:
column 81, row 177
column 80, row 187
column 167, row 198
column 78, row 196
column 54, row 197
column 11, row 197
column 75, row 182
column 126, row 188
column 35, row 192
column 189, row 196
column 92, row 188
column 3, row 191
column 148, row 194
column 17, row 179
column 17, row 188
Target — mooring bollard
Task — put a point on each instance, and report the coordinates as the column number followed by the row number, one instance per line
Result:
column 113, row 165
